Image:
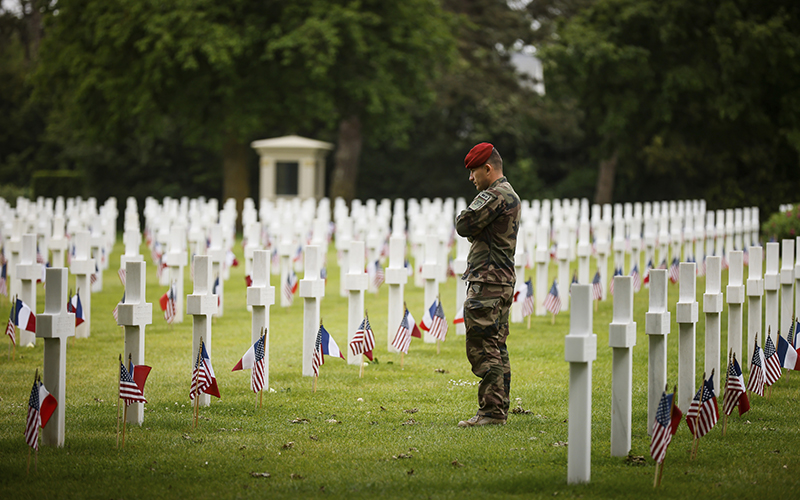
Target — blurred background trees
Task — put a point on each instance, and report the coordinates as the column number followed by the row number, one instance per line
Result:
column 644, row 99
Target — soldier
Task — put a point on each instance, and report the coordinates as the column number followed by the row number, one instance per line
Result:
column 490, row 223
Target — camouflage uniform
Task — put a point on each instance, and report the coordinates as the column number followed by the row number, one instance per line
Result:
column 490, row 223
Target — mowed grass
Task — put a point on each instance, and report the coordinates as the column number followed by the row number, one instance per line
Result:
column 390, row 434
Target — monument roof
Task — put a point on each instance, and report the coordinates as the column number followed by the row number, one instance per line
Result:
column 290, row 142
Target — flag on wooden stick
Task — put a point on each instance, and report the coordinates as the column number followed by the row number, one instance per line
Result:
column 735, row 392
column 553, row 302
column 254, row 359
column 756, row 382
column 364, row 340
column 203, row 379
column 41, row 406
column 773, row 364
column 703, row 413
column 325, row 344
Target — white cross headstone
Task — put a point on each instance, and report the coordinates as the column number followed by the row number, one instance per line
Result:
column 97, row 246
column 686, row 314
column 343, row 239
column 356, row 284
column 542, row 261
column 772, row 284
column 755, row 292
column 217, row 254
column 27, row 272
column 261, row 295
column 132, row 239
column 656, row 326
column 734, row 294
column 584, row 252
column 312, row 289
column 562, row 255
column 787, row 288
column 176, row 259
column 202, row 304
column 13, row 250
column 430, row 273
column 55, row 326
column 712, row 310
column 82, row 266
column 58, row 242
column 396, row 278
column 621, row 339
column 134, row 314
column 603, row 247
column 580, row 350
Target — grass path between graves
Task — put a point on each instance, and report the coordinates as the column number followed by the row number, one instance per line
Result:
column 392, row 434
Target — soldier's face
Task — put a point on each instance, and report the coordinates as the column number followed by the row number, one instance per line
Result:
column 480, row 177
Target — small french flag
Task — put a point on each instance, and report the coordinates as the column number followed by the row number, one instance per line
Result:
column 25, row 318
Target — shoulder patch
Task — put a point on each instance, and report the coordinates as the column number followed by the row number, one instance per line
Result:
column 482, row 199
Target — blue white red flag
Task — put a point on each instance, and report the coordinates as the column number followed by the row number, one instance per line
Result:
column 324, row 345
column 787, row 354
column 24, row 317
column 74, row 306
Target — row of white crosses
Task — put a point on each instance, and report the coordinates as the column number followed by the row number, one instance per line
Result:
column 581, row 343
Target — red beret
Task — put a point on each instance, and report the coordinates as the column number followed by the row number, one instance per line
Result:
column 479, row 155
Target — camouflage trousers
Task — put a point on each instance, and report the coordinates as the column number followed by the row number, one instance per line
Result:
column 486, row 321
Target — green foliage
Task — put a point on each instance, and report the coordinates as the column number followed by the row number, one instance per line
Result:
column 696, row 97
column 782, row 225
column 54, row 183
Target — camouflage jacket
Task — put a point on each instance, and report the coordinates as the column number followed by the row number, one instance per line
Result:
column 491, row 223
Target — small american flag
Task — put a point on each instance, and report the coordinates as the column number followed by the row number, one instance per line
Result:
column 789, row 337
column 438, row 324
column 597, row 287
column 527, row 304
column 674, row 271
column 796, row 343
column 257, row 375
column 121, row 274
column 553, row 302
column 93, row 277
column 128, row 390
column 376, row 274
column 364, row 340
column 637, row 281
column 668, row 416
column 203, row 378
column 773, row 369
column 703, row 412
column 168, row 303
column 10, row 329
column 735, row 393
column 402, row 339
column 756, row 382
column 34, row 418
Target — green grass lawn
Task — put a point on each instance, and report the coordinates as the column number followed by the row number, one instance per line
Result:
column 390, row 434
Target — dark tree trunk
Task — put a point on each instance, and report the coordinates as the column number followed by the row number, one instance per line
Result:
column 348, row 152
column 235, row 175
column 604, row 192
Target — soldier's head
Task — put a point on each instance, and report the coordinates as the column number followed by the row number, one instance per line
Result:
column 484, row 164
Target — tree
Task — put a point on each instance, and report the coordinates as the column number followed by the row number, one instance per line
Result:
column 686, row 99
column 372, row 64
column 223, row 73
